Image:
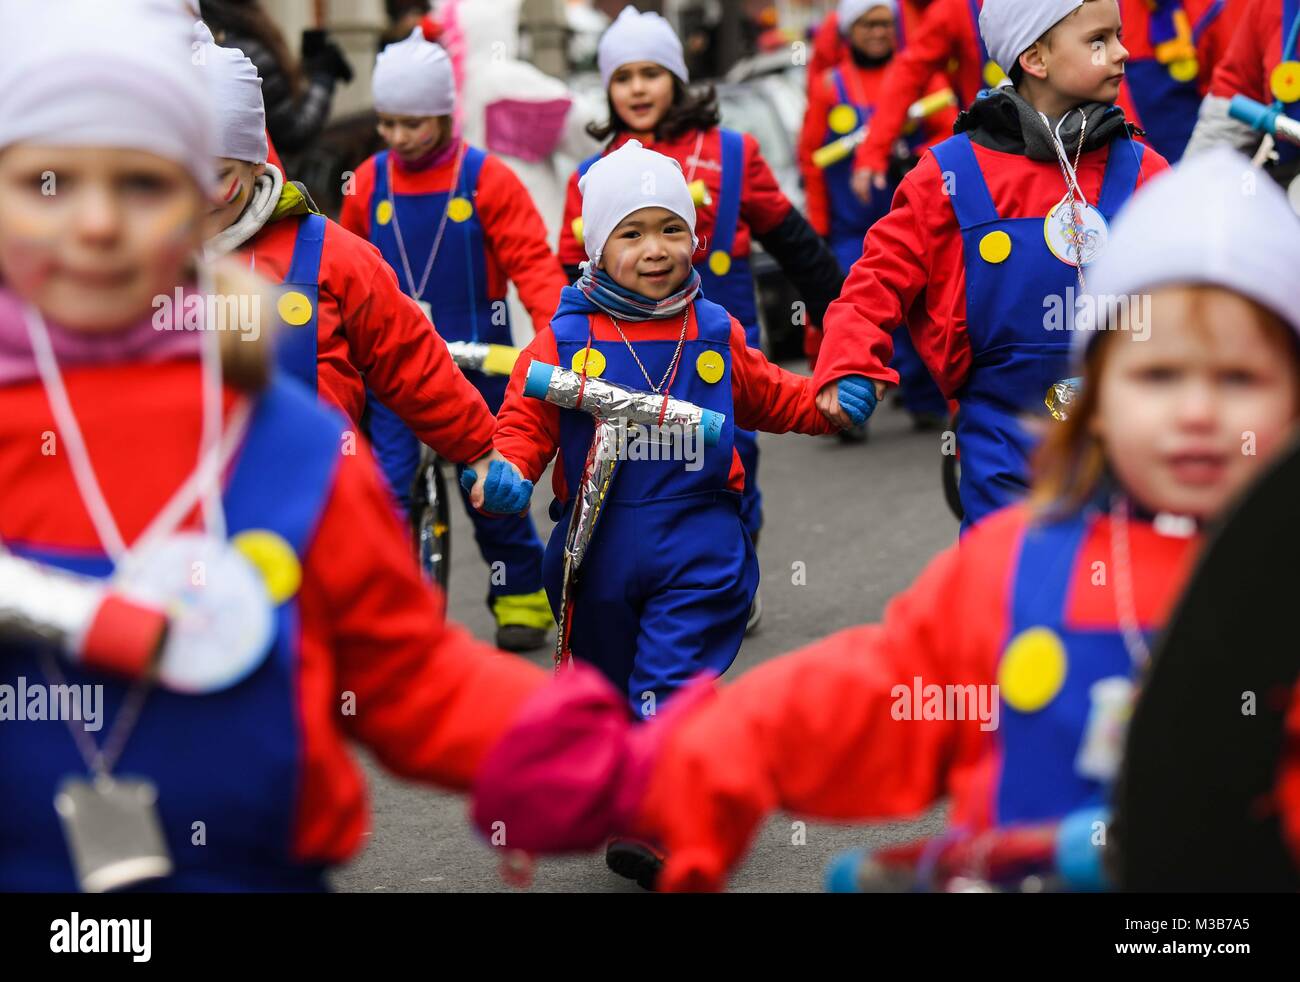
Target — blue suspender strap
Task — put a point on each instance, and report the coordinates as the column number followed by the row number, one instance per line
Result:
column 1290, row 28
column 733, row 179
column 979, row 38
column 586, row 164
column 841, row 92
column 970, row 198
column 1207, row 19
column 304, row 268
column 1123, row 165
column 1042, row 582
column 381, row 179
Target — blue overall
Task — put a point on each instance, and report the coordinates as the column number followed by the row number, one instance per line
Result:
column 851, row 219
column 735, row 291
column 665, row 588
column 230, row 759
column 1168, row 108
column 1039, row 780
column 1015, row 360
column 299, row 299
column 457, row 293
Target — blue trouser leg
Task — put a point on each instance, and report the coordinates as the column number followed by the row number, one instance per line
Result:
column 396, row 448
column 751, row 504
column 663, row 594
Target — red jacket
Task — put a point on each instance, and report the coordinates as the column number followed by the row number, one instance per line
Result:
column 836, row 695
column 864, row 87
column 431, row 700
column 370, row 334
column 829, row 46
column 945, row 41
column 916, row 251
column 516, row 236
column 762, row 203
column 1254, row 51
column 766, row 398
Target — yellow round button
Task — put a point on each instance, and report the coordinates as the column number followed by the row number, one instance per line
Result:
column 384, row 212
column 1184, row 69
column 710, row 366
column 993, row 74
column 1032, row 669
column 459, row 209
column 592, row 360
column 700, row 192
column 274, row 559
column 995, row 247
column 1285, row 81
column 720, row 263
column 577, row 228
column 294, row 308
column 842, row 119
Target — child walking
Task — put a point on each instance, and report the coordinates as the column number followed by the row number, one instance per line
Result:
column 277, row 558
column 455, row 224
column 995, row 228
column 643, row 71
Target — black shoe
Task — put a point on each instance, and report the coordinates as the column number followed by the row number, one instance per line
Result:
column 928, row 422
column 517, row 637
column 634, row 860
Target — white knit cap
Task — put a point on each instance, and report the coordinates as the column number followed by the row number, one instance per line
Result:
column 850, row 10
column 635, row 36
column 1010, row 27
column 96, row 74
column 1214, row 219
column 414, row 78
column 625, row 181
column 236, row 94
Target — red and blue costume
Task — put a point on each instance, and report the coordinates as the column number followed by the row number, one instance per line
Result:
column 491, row 234
column 667, row 582
column 979, row 256
column 349, row 328
column 1267, row 35
column 746, row 203
column 264, row 764
column 839, row 215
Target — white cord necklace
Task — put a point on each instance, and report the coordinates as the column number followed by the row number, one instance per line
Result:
column 418, row 292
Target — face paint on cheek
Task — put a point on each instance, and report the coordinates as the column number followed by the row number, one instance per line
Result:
column 28, row 261
column 233, row 193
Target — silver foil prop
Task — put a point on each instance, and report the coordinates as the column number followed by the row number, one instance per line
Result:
column 491, row 359
column 44, row 604
column 613, row 408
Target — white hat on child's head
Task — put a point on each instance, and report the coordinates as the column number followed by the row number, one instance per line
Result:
column 86, row 73
column 236, row 92
column 850, row 10
column 414, row 78
column 1216, row 220
column 625, row 181
column 1010, row 27
column 635, row 36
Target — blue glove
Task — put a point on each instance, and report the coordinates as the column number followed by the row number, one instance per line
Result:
column 857, row 398
column 505, row 492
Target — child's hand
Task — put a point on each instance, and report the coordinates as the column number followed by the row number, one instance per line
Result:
column 850, row 401
column 864, row 182
column 503, row 490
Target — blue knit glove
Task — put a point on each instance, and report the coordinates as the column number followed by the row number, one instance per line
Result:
column 857, row 398
column 505, row 492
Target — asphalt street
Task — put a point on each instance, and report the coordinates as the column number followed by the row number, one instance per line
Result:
column 863, row 519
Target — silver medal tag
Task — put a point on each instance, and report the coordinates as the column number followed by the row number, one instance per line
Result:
column 1103, row 738
column 112, row 829
column 427, row 308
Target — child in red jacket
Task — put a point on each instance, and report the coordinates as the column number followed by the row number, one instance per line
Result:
column 299, row 620
column 349, row 329
column 1040, row 621
column 455, row 224
column 738, row 201
column 843, row 100
column 996, row 227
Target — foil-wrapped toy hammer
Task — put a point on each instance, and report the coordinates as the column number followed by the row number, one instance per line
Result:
column 612, row 408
